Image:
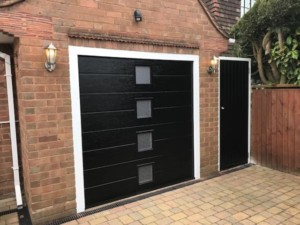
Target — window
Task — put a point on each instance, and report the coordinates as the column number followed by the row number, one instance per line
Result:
column 144, row 141
column 145, row 174
column 142, row 75
column 246, row 5
column 144, row 108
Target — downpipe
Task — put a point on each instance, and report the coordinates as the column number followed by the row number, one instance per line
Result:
column 13, row 133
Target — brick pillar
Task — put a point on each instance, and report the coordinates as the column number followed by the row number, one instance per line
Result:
column 46, row 132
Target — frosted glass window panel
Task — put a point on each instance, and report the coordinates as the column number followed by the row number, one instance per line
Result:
column 143, row 108
column 145, row 174
column 144, row 141
column 142, row 75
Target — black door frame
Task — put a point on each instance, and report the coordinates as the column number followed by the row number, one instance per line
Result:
column 219, row 105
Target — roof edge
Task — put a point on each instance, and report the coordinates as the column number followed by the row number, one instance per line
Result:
column 213, row 20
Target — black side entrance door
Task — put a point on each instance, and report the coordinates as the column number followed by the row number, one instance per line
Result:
column 234, row 103
column 137, row 131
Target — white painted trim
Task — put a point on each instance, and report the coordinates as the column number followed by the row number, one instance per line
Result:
column 234, row 59
column 13, row 132
column 249, row 113
column 74, row 52
column 219, row 104
column 196, row 114
column 219, row 115
column 77, row 135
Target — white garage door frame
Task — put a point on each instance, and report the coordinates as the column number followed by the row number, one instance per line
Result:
column 74, row 52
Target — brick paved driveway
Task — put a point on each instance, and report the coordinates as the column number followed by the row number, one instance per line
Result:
column 254, row 195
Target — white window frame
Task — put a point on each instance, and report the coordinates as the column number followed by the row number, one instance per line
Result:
column 245, row 8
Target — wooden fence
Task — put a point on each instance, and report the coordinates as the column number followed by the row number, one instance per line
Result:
column 276, row 129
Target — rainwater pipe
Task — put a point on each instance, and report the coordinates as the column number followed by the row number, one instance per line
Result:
column 13, row 133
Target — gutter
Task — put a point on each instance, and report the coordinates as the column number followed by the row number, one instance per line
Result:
column 13, row 133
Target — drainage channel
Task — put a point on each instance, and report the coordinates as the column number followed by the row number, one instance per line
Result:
column 7, row 212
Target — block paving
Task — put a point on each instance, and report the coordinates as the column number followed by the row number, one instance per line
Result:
column 255, row 195
column 8, row 204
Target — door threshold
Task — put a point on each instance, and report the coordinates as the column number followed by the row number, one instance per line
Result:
column 237, row 168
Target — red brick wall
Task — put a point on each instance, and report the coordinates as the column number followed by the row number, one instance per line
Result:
column 44, row 98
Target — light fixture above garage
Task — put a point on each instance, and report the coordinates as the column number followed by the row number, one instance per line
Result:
column 51, row 53
column 138, row 16
column 213, row 68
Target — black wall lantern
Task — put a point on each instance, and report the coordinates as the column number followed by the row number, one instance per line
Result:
column 138, row 16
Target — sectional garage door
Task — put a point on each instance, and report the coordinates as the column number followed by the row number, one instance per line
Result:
column 137, row 127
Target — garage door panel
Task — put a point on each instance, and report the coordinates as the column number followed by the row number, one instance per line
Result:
column 171, row 83
column 172, row 99
column 115, row 172
column 173, row 130
column 171, row 68
column 106, row 84
column 162, row 174
column 111, row 174
column 107, row 102
column 108, row 139
column 173, row 173
column 128, row 118
column 176, row 158
column 103, row 65
column 109, row 120
column 172, row 114
column 106, row 65
column 115, row 155
column 119, row 137
column 123, row 101
column 124, row 83
column 177, row 173
column 97, row 195
column 174, row 145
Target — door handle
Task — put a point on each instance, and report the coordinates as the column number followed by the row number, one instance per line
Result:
column 222, row 108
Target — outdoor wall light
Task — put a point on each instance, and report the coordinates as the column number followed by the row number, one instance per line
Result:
column 51, row 53
column 138, row 16
column 213, row 65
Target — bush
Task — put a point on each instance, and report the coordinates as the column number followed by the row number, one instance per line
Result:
column 270, row 34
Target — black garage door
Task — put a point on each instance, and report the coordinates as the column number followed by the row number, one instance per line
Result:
column 137, row 129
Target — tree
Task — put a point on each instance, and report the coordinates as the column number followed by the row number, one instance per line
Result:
column 270, row 34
